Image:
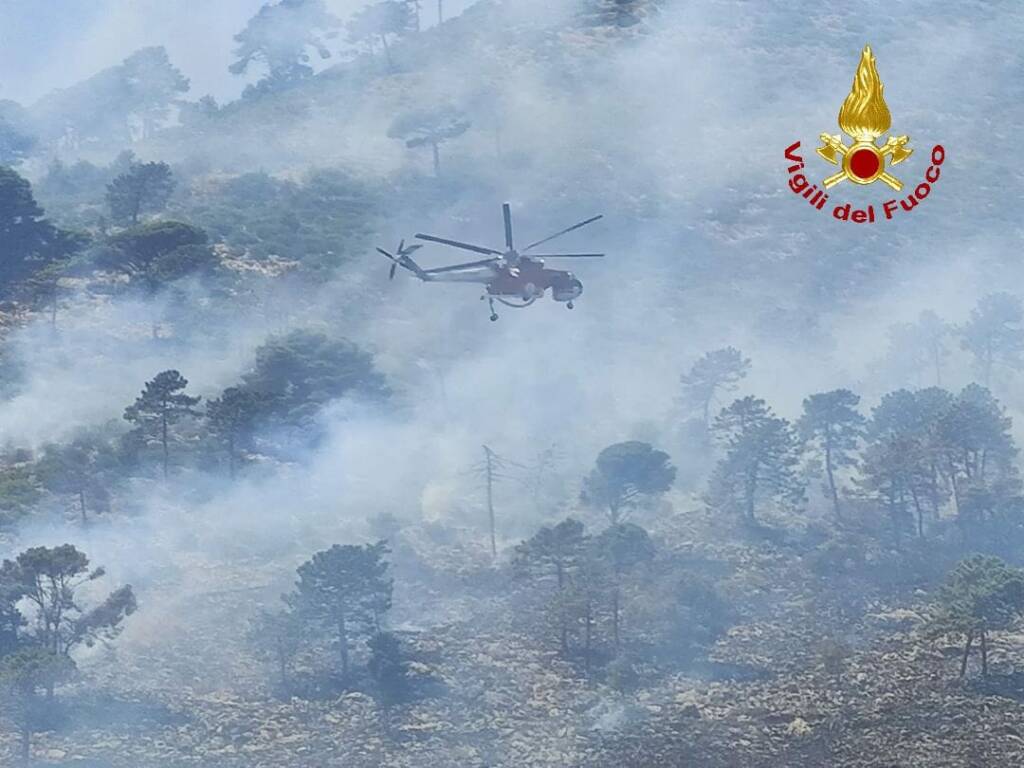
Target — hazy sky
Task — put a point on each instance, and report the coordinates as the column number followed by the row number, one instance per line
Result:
column 46, row 44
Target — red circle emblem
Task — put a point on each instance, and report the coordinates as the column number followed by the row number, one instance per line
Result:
column 864, row 164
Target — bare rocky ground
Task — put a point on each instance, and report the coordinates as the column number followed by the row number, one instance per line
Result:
column 187, row 692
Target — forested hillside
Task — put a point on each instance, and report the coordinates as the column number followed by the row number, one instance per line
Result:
column 755, row 501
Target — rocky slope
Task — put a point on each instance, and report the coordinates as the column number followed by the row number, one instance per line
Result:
column 496, row 693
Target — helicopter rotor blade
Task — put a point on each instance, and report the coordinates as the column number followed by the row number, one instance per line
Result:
column 563, row 232
column 506, row 213
column 382, row 251
column 457, row 244
column 468, row 265
column 567, row 256
column 391, row 272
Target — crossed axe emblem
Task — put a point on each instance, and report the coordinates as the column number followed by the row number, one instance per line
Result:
column 863, row 162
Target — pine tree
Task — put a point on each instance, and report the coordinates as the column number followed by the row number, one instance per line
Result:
column 77, row 468
column 994, row 334
column 49, row 580
column 911, row 421
column 981, row 595
column 624, row 547
column 298, row 373
column 277, row 636
column 28, row 242
column 894, row 474
column 920, row 348
column 232, row 417
column 379, row 21
column 162, row 404
column 833, row 427
column 979, row 449
column 345, row 588
column 554, row 552
column 625, row 472
column 24, row 676
column 430, row 128
column 715, row 373
column 762, row 455
column 388, row 668
column 278, row 37
column 618, row 13
column 155, row 254
column 143, row 187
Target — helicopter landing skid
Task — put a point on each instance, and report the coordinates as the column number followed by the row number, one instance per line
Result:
column 490, row 303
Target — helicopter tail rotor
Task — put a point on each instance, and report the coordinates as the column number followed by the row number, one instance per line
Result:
column 402, row 259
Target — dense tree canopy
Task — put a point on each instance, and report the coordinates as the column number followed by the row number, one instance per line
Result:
column 553, row 551
column 587, row 584
column 624, row 472
column 28, row 242
column 280, row 34
column 116, row 105
column 156, row 254
column 320, row 222
column 299, row 372
column 928, row 445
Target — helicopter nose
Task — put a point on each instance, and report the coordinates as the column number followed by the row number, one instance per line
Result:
column 568, row 290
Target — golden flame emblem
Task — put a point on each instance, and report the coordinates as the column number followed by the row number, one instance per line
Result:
column 864, row 117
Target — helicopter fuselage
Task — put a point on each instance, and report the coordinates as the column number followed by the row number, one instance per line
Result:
column 528, row 279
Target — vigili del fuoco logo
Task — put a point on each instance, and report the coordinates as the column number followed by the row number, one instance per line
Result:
column 864, row 117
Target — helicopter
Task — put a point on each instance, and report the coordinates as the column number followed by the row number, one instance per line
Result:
column 511, row 277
